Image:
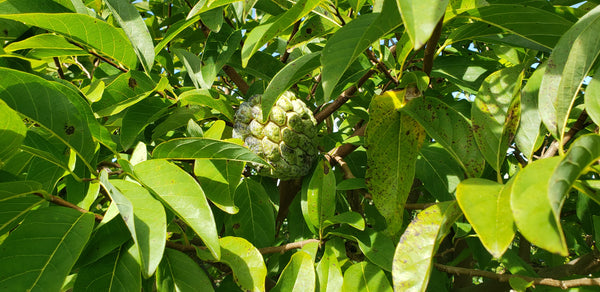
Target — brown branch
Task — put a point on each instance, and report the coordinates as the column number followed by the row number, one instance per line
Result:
column 431, row 46
column 382, row 67
column 583, row 265
column 286, row 247
column 563, row 284
column 577, row 126
column 237, row 79
column 59, row 69
column 61, row 202
column 343, row 98
column 288, row 189
column 286, row 54
column 108, row 61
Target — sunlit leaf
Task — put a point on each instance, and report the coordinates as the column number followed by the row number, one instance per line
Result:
column 420, row 18
column 12, row 132
column 178, row 272
column 298, row 274
column 255, row 220
column 364, row 277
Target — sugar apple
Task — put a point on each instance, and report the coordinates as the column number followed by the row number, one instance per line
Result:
column 286, row 140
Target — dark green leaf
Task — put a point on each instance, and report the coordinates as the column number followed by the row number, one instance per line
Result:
column 256, row 219
column 178, row 272
column 12, row 132
column 210, row 99
column 420, row 18
column 40, row 253
column 17, row 199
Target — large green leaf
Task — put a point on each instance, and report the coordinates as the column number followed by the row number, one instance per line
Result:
column 219, row 179
column 124, row 91
column 449, row 128
column 495, row 113
column 51, row 105
column 286, row 77
column 39, row 254
column 486, row 204
column 149, row 221
column 132, row 23
column 249, row 270
column 592, row 99
column 528, row 133
column 345, row 45
column 365, row 277
column 117, row 271
column 583, row 152
column 320, row 196
column 256, row 219
column 439, row 172
column 393, row 140
column 569, row 63
column 532, row 208
column 86, row 30
column 210, row 99
column 466, row 72
column 413, row 260
column 139, row 116
column 329, row 273
column 534, row 24
column 109, row 235
column 12, row 132
column 218, row 50
column 259, row 35
column 193, row 66
column 203, row 148
column 298, row 274
column 16, row 200
column 183, row 195
column 375, row 245
column 420, row 18
column 178, row 272
column 37, row 145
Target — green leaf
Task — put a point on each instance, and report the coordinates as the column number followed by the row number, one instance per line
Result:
column 351, row 218
column 467, row 73
column 193, row 66
column 203, row 148
column 592, row 99
column 46, row 45
column 285, row 78
column 108, row 236
column 365, row 277
column 174, row 31
column 39, row 254
column 149, row 221
column 139, row 116
column 439, row 172
column 495, row 113
column 486, row 204
column 256, row 219
column 393, row 140
column 218, row 50
column 449, row 128
column 413, row 259
column 86, row 30
column 320, row 196
column 178, row 272
column 420, row 18
column 534, row 24
column 52, row 105
column 219, row 179
column 259, row 35
column 132, row 23
column 17, row 199
column 346, row 44
column 117, row 271
column 582, row 153
column 298, row 274
column 532, row 208
column 210, row 99
column 329, row 273
column 351, row 184
column 375, row 245
column 528, row 133
column 124, row 91
column 12, row 132
column 37, row 145
column 315, row 26
column 570, row 62
column 249, row 270
column 183, row 195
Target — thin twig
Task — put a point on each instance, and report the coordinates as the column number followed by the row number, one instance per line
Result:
column 61, row 202
column 343, row 98
column 577, row 126
column 286, row 54
column 563, row 284
column 431, row 47
column 237, row 79
column 381, row 66
column 59, row 69
column 286, row 247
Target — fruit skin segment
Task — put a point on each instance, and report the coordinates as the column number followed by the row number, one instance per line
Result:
column 286, row 140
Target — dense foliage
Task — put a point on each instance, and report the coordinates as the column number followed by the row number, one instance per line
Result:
column 458, row 145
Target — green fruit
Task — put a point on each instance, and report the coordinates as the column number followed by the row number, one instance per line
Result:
column 286, row 140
